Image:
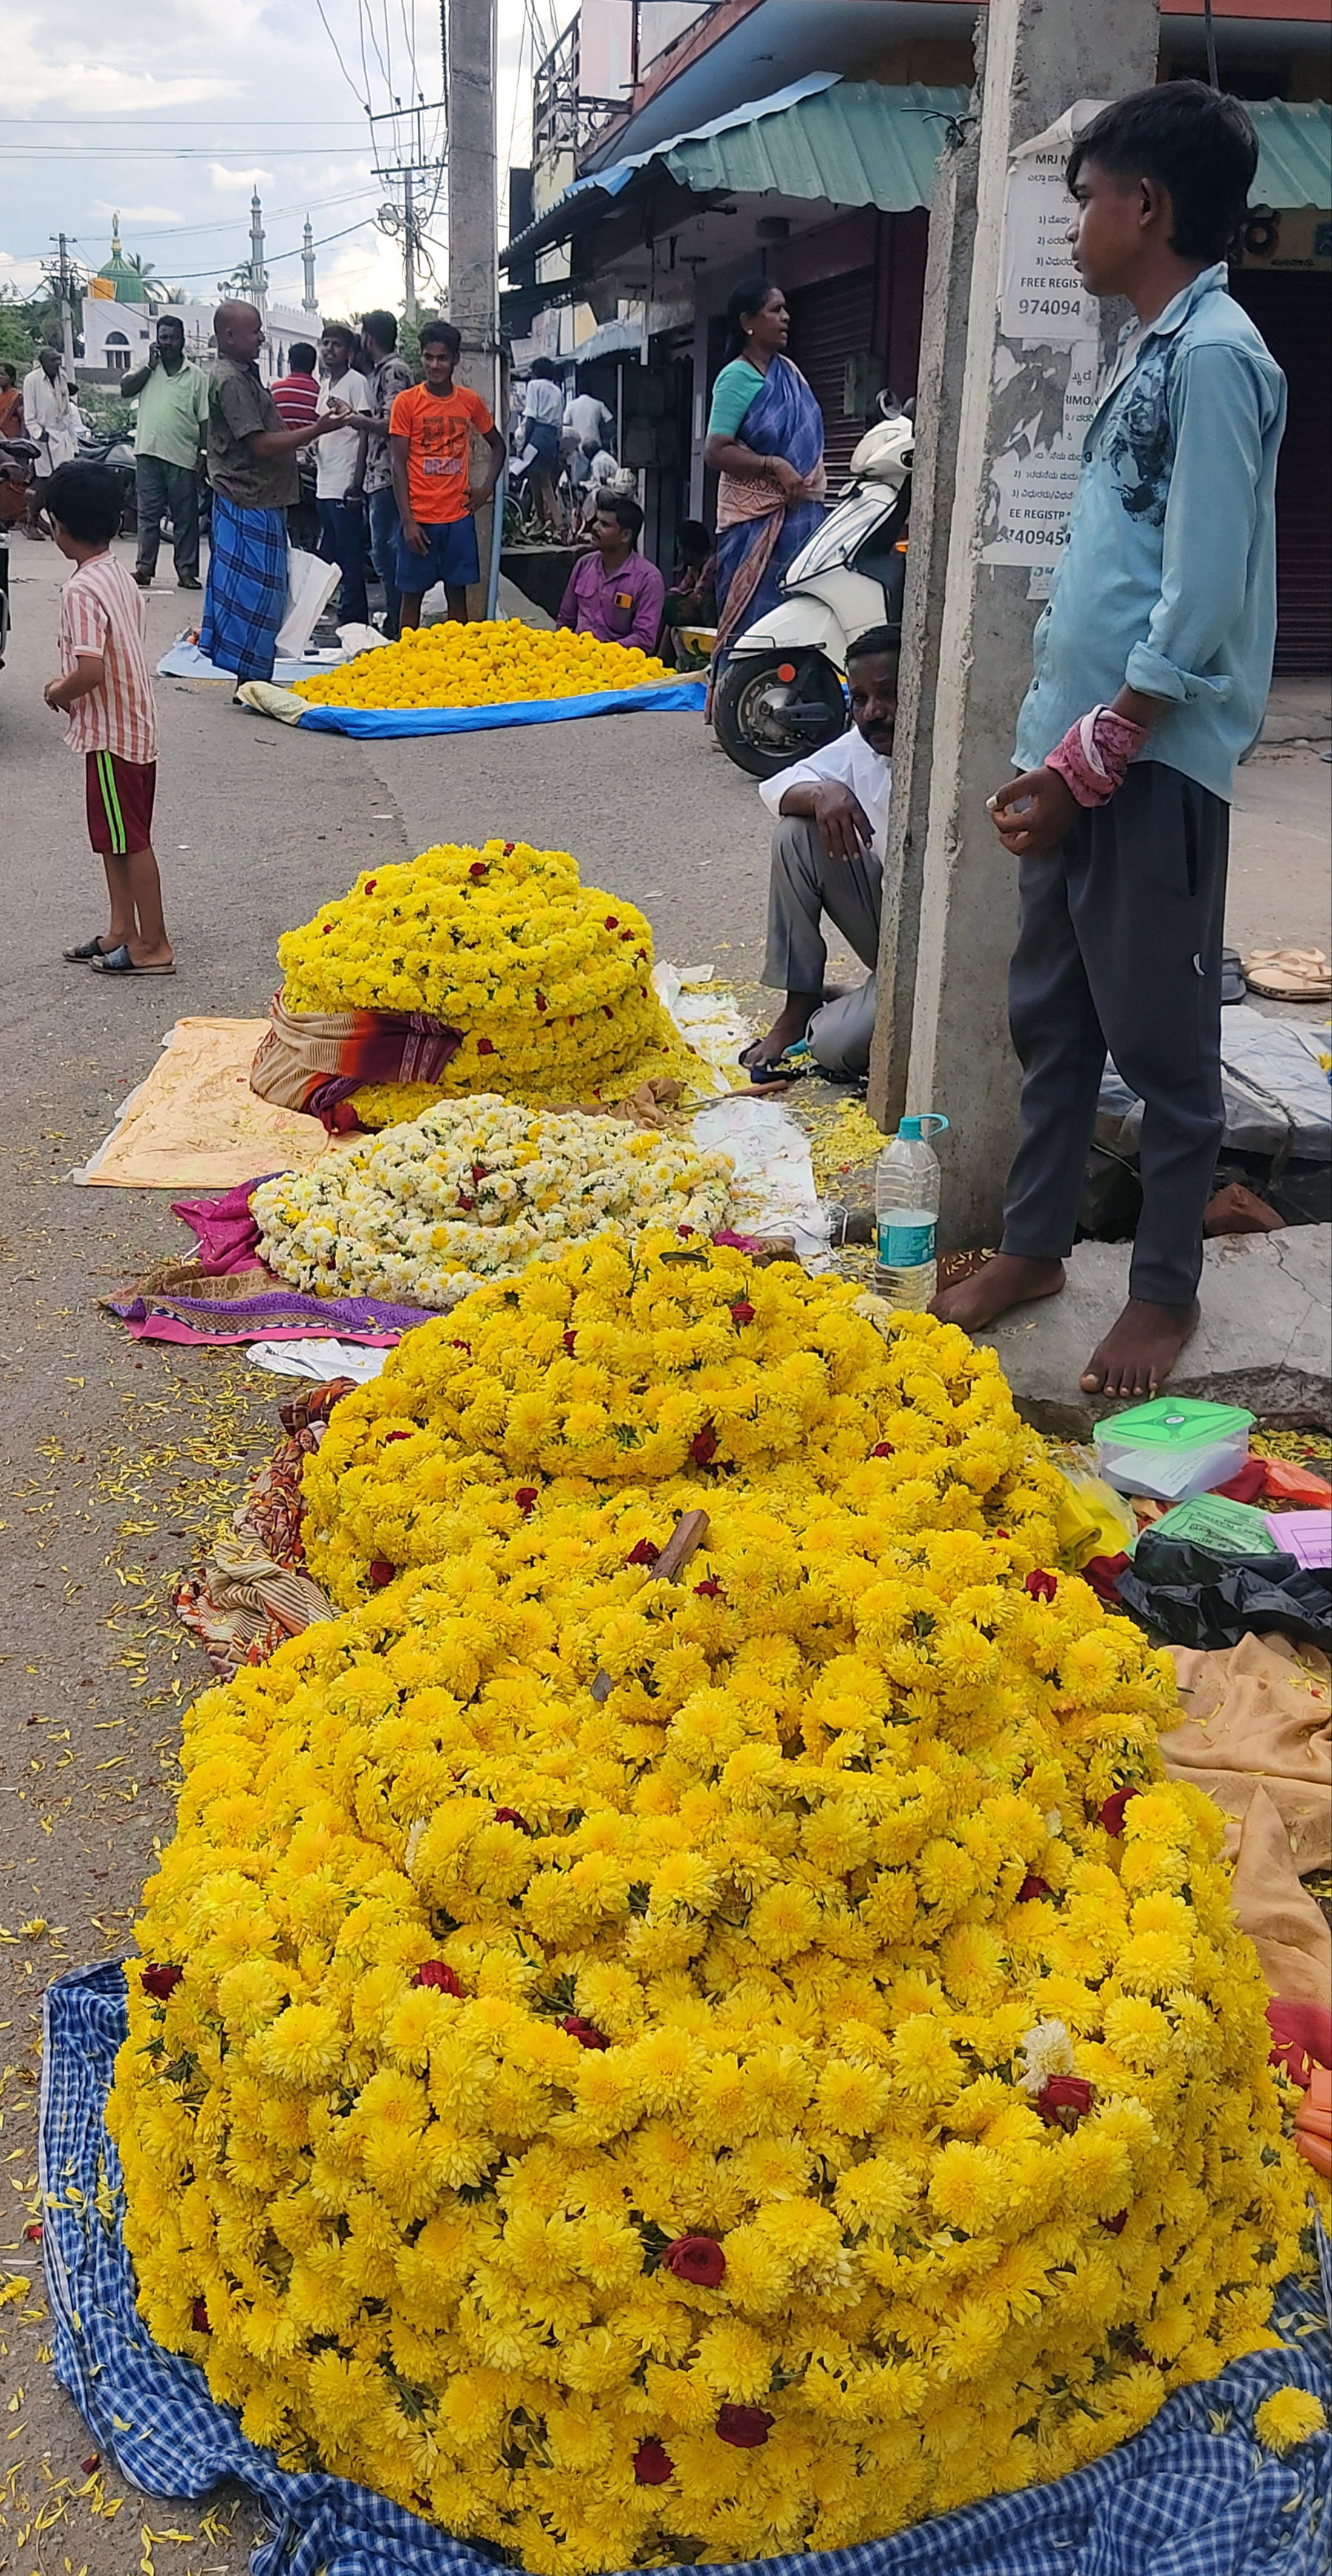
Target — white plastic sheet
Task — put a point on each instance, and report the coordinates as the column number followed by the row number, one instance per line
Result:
column 319, row 1358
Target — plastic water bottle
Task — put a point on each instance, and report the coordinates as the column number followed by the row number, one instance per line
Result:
column 906, row 1208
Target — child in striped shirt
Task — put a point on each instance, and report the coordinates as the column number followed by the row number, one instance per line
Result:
column 106, row 691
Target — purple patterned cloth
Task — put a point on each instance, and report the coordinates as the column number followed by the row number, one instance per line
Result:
column 278, row 1315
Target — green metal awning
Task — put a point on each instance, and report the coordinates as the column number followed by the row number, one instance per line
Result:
column 1294, row 154
column 848, row 143
column 856, row 144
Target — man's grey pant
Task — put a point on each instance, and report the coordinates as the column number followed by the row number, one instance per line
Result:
column 804, row 884
column 385, row 530
column 159, row 488
column 1120, row 947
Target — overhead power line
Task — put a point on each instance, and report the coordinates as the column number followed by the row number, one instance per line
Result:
column 209, row 124
column 148, row 152
column 361, row 102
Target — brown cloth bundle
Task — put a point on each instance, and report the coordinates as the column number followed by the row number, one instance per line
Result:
column 1258, row 1739
column 315, row 1060
column 253, row 1591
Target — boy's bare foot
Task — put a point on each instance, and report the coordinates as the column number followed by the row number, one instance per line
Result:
column 1007, row 1280
column 1140, row 1349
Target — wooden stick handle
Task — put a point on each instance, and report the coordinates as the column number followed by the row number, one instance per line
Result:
column 688, row 1534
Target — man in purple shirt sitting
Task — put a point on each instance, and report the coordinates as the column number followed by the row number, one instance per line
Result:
column 615, row 593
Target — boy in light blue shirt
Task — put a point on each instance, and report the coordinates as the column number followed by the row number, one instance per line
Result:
column 1152, row 665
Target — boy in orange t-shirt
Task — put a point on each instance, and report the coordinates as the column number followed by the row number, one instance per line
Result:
column 430, row 429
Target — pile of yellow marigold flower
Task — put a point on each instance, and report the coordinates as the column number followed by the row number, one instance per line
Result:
column 497, row 662
column 641, row 2069
column 548, row 980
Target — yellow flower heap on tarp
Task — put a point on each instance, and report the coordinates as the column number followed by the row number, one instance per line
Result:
column 642, row 2070
column 473, row 1191
column 496, row 662
column 548, row 980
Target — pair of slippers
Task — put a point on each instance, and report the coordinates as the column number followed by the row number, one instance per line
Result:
column 1289, row 974
column 110, row 961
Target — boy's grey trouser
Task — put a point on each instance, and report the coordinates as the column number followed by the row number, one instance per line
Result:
column 804, row 884
column 1120, row 948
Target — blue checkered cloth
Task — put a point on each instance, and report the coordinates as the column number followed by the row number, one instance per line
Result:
column 246, row 597
column 1195, row 2495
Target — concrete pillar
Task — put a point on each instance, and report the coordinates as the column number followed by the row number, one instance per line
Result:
column 951, row 914
column 473, row 225
column 943, row 352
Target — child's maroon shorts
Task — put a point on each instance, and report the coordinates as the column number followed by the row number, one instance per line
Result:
column 120, row 803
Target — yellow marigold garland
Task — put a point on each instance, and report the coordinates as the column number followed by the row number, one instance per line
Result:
column 548, row 980
column 496, row 662
column 638, row 2069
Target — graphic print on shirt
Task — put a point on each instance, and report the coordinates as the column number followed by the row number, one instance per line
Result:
column 1140, row 448
column 438, row 428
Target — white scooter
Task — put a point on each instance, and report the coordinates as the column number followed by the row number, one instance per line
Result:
column 781, row 692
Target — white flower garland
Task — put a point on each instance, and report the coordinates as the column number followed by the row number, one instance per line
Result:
column 473, row 1191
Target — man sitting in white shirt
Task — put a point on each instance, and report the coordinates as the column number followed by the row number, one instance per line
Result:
column 827, row 857
column 591, row 423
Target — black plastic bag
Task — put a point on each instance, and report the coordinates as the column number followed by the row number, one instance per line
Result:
column 1191, row 1596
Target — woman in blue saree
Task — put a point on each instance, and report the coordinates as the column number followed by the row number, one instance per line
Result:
column 765, row 440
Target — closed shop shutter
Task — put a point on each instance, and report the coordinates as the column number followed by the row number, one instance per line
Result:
column 831, row 323
column 1290, row 308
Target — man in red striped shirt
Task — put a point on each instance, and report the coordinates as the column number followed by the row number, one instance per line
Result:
column 297, row 398
column 297, row 395
column 105, row 689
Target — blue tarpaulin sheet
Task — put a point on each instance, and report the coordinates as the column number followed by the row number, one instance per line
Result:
column 658, row 694
column 1194, row 2495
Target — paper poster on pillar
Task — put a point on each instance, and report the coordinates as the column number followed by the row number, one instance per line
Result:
column 1044, row 401
column 1041, row 296
column 1047, row 360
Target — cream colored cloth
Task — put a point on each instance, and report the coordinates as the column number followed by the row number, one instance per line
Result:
column 195, row 1124
column 1258, row 1739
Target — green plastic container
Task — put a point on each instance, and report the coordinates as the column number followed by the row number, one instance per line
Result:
column 1173, row 1447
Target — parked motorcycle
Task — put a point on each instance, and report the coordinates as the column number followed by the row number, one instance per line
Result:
column 781, row 693
column 16, row 455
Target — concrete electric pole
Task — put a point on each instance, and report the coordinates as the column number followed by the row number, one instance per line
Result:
column 473, row 230
column 408, row 248
column 66, row 305
column 1001, row 418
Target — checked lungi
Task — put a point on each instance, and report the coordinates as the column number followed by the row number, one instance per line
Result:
column 247, row 589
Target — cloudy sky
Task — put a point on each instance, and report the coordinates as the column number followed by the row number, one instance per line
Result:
column 174, row 110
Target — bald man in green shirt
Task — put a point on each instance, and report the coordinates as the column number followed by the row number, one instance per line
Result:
column 173, row 414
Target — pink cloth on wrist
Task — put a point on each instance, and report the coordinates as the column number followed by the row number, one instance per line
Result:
column 1095, row 753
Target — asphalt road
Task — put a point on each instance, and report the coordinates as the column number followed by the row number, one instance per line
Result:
column 118, row 1456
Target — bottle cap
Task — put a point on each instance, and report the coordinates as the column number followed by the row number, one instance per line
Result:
column 929, row 1118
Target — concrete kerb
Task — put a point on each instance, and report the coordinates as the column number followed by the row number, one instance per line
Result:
column 1263, row 1341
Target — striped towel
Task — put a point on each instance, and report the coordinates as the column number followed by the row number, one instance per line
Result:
column 315, row 1060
